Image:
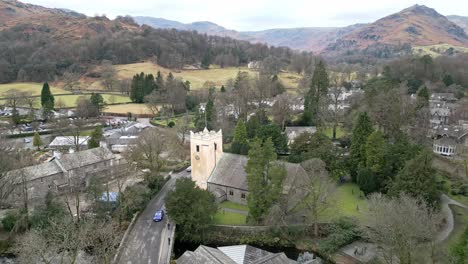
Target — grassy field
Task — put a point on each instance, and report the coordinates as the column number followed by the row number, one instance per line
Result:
column 33, row 88
column 125, row 108
column 225, row 217
column 437, row 50
column 70, row 100
column 197, row 78
column 163, row 122
column 346, row 201
column 339, row 132
column 229, row 218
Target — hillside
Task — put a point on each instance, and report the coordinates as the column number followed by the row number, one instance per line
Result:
column 461, row 21
column 307, row 38
column 63, row 24
column 417, row 25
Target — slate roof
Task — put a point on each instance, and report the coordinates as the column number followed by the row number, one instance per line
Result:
column 68, row 141
column 35, row 172
column 230, row 171
column 84, row 158
column 241, row 254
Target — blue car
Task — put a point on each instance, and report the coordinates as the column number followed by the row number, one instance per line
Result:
column 158, row 216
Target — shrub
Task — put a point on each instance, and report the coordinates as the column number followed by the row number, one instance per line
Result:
column 340, row 233
column 10, row 220
column 171, row 124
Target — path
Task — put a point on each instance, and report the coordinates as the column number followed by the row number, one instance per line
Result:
column 148, row 241
column 445, row 201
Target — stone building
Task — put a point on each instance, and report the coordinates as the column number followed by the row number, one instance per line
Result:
column 60, row 173
column 224, row 174
column 241, row 254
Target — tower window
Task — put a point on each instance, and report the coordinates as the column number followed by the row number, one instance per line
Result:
column 198, row 148
column 216, row 146
column 243, row 195
column 231, row 192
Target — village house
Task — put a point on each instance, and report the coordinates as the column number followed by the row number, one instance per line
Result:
column 450, row 140
column 69, row 143
column 61, row 172
column 118, row 140
column 224, row 174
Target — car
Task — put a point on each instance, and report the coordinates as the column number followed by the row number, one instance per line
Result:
column 27, row 140
column 189, row 169
column 158, row 216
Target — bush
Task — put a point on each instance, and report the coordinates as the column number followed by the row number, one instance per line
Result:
column 171, row 124
column 10, row 220
column 340, row 233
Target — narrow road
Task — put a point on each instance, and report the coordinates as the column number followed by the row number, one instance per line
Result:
column 445, row 201
column 148, row 241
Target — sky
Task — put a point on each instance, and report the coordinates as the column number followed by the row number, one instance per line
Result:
column 251, row 15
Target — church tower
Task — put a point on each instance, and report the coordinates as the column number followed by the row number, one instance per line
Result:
column 206, row 149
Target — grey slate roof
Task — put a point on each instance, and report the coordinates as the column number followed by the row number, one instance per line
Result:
column 230, row 171
column 35, row 172
column 84, row 158
column 241, row 254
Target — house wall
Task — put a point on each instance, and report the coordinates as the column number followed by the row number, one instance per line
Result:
column 232, row 194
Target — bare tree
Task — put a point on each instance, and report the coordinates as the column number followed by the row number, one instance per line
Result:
column 282, row 109
column 183, row 126
column 320, row 188
column 335, row 93
column 70, row 80
column 108, row 74
column 399, row 225
column 154, row 101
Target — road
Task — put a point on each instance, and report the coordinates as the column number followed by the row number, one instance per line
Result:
column 148, row 241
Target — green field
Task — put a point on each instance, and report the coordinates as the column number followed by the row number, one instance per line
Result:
column 235, row 206
column 32, row 88
column 229, row 218
column 197, row 78
column 125, row 108
column 70, row 100
column 339, row 132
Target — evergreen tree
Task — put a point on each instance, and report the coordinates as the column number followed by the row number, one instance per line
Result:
column 98, row 101
column 361, row 132
column 448, row 80
column 423, row 97
column 240, row 144
column 47, row 100
column 37, row 141
column 375, row 149
column 366, row 180
column 159, row 81
column 210, row 114
column 273, row 131
column 316, row 94
column 264, row 178
column 95, row 139
column 223, row 89
column 417, row 179
column 206, row 61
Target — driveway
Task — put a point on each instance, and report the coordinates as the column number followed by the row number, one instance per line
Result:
column 148, row 241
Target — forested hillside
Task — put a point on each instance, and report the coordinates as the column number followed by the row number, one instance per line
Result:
column 36, row 47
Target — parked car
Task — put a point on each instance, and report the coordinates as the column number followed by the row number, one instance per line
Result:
column 158, row 216
column 189, row 169
column 27, row 140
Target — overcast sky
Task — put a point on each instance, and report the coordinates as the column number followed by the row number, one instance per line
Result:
column 257, row 14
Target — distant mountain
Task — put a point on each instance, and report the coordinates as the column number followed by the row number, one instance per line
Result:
column 417, row 25
column 307, row 38
column 461, row 21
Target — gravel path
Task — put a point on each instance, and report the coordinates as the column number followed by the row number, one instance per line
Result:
column 448, row 215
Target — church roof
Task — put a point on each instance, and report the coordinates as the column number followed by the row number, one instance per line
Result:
column 230, row 172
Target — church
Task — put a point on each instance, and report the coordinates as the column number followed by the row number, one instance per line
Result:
column 224, row 174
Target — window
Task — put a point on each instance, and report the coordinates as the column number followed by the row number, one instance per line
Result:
column 243, row 195
column 198, row 148
column 216, row 146
column 231, row 192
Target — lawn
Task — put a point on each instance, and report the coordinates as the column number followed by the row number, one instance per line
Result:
column 33, row 88
column 70, row 100
column 197, row 78
column 163, row 122
column 229, row 218
column 125, row 108
column 339, row 132
column 348, row 200
column 232, row 205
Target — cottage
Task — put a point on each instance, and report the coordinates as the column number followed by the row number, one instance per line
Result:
column 224, row 174
column 450, row 140
column 59, row 173
column 118, row 140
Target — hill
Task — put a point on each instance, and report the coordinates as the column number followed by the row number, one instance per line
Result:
column 461, row 21
column 417, row 25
